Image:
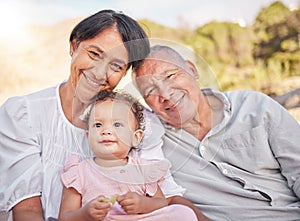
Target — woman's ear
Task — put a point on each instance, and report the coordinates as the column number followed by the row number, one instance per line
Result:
column 137, row 137
column 72, row 47
column 193, row 69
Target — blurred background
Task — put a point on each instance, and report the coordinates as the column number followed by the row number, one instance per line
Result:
column 249, row 44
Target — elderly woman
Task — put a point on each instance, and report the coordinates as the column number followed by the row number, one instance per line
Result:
column 39, row 131
column 237, row 153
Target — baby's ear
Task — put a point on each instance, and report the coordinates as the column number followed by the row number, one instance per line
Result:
column 137, row 137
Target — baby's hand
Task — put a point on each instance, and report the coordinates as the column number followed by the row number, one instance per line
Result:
column 131, row 202
column 111, row 200
column 96, row 209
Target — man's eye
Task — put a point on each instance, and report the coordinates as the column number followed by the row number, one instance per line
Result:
column 149, row 92
column 169, row 76
column 98, row 125
column 116, row 67
column 117, row 124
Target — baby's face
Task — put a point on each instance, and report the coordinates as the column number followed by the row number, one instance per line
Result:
column 112, row 129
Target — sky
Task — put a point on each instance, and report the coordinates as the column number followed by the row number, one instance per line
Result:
column 172, row 13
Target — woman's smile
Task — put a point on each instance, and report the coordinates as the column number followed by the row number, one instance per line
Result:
column 93, row 82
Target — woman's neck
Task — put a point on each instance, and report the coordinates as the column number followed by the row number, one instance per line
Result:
column 71, row 106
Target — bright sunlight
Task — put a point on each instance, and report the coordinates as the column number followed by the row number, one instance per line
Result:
column 12, row 23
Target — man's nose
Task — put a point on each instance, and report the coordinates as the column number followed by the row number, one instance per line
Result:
column 165, row 93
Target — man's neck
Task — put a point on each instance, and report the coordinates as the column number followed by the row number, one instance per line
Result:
column 207, row 118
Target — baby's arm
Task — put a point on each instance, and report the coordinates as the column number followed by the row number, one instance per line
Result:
column 70, row 208
column 134, row 203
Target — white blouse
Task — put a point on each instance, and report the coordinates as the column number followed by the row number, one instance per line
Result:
column 35, row 141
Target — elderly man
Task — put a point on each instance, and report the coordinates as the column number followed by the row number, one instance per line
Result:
column 237, row 153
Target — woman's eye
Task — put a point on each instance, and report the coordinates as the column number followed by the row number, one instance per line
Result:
column 117, row 124
column 94, row 55
column 98, row 125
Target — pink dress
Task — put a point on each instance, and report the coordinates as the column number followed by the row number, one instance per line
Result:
column 140, row 176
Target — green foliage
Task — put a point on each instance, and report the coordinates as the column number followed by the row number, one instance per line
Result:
column 155, row 30
column 256, row 57
column 226, row 43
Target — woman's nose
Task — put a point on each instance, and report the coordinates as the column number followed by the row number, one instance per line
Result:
column 100, row 70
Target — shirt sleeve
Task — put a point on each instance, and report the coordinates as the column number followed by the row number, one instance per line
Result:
column 150, row 148
column 284, row 140
column 70, row 174
column 20, row 159
column 154, row 173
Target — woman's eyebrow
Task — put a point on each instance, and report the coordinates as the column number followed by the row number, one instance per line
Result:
column 97, row 48
column 122, row 62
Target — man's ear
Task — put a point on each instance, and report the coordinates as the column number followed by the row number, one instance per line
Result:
column 193, row 69
column 137, row 137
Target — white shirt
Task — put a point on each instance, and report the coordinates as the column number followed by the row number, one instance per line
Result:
column 35, row 141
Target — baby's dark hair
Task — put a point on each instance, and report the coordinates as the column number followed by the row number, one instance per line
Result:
column 136, row 107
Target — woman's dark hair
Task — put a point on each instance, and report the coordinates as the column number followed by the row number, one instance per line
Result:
column 133, row 36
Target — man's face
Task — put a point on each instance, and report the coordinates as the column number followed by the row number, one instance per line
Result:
column 170, row 89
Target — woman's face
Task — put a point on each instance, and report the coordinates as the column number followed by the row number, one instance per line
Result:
column 98, row 64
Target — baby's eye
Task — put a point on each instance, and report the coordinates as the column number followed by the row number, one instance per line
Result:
column 117, row 124
column 98, row 125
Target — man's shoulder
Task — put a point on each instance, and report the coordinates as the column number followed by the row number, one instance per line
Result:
column 245, row 93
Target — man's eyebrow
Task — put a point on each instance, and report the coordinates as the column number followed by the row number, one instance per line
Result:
column 169, row 71
column 122, row 62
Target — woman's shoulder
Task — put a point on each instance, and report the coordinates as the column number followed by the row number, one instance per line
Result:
column 18, row 101
column 30, row 104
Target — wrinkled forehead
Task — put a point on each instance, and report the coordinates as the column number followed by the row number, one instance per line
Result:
column 159, row 62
